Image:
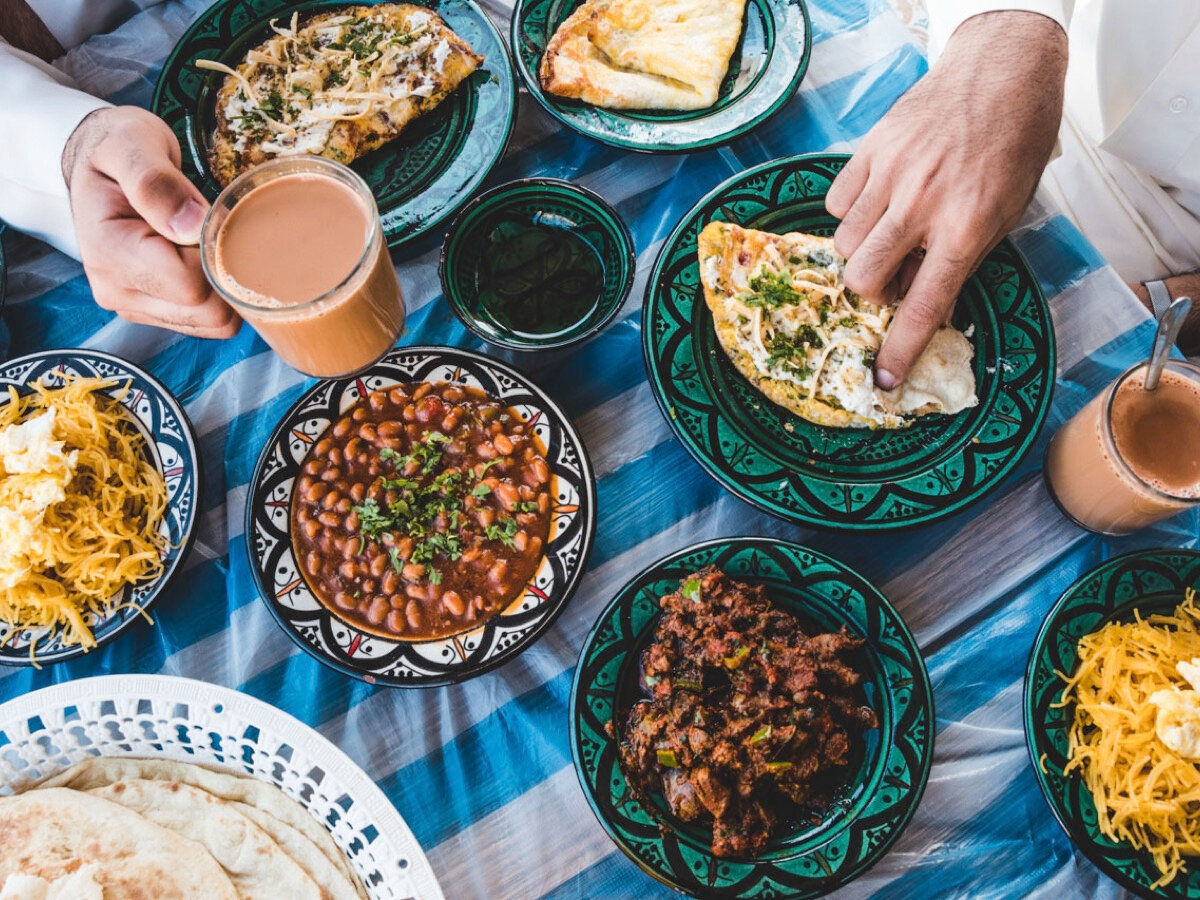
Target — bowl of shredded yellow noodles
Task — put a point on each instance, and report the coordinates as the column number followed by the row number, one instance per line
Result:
column 1112, row 719
column 98, row 486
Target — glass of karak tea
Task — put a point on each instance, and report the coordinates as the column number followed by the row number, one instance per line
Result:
column 296, row 246
column 1131, row 457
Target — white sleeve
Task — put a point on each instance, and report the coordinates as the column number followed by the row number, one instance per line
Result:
column 39, row 109
column 947, row 15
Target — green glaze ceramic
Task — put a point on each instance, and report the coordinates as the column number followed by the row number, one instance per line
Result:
column 1149, row 581
column 764, row 73
column 537, row 264
column 418, row 180
column 852, row 479
column 882, row 791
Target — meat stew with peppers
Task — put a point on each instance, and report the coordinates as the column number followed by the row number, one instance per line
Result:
column 747, row 722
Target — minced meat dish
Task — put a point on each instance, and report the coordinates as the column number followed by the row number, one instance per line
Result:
column 749, row 719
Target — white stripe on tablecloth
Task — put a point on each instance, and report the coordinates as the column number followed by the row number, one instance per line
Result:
column 940, row 594
column 109, row 63
column 990, row 739
column 494, row 858
column 1078, row 330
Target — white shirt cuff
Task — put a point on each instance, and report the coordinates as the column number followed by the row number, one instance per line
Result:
column 39, row 111
column 946, row 15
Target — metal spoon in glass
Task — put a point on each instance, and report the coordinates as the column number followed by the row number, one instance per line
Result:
column 1164, row 339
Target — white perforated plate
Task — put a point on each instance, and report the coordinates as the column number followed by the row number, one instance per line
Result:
column 161, row 717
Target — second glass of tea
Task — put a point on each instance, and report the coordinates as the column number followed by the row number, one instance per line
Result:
column 1131, row 457
column 295, row 245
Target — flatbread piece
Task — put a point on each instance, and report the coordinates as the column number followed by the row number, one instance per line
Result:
column 786, row 321
column 340, row 86
column 644, row 54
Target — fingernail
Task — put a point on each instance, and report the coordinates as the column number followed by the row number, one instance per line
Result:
column 885, row 379
column 186, row 223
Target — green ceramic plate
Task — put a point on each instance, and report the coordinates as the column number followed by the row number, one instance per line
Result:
column 515, row 254
column 765, row 71
column 852, row 479
column 882, row 792
column 419, row 179
column 1151, row 581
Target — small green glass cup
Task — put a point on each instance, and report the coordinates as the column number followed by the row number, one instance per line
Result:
column 537, row 264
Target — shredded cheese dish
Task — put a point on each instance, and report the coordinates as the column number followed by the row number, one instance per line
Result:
column 340, row 86
column 786, row 320
column 1135, row 738
column 80, row 506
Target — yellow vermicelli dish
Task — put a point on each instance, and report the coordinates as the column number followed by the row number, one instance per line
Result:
column 80, row 507
column 1135, row 738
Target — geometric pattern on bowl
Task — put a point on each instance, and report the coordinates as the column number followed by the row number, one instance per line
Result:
column 883, row 785
column 397, row 663
column 171, row 448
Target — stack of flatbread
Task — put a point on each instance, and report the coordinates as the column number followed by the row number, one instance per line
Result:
column 133, row 828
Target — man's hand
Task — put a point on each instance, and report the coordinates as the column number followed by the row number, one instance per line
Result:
column 138, row 220
column 950, row 169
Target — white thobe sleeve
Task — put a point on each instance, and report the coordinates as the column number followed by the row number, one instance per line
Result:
column 947, row 15
column 39, row 109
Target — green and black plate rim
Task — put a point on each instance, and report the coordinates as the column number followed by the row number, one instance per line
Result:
column 844, row 479
column 1149, row 581
column 745, row 100
column 420, row 179
column 889, row 778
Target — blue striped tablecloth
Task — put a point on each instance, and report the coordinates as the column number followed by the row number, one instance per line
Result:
column 482, row 771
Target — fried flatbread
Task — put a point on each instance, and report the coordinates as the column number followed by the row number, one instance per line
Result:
column 644, row 54
column 786, row 321
column 341, row 85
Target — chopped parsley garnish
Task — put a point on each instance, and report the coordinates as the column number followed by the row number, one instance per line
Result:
column 773, row 289
column 503, row 531
column 423, row 499
column 791, row 353
column 373, row 521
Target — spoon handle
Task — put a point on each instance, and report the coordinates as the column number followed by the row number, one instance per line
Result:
column 1164, row 339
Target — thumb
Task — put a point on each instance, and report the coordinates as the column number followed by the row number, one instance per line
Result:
column 169, row 203
column 144, row 162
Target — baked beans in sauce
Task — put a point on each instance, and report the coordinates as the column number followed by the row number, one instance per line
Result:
column 421, row 512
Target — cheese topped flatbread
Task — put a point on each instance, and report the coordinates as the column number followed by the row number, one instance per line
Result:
column 784, row 317
column 644, row 54
column 340, row 86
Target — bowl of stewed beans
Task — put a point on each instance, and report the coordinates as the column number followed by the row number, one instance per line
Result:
column 424, row 521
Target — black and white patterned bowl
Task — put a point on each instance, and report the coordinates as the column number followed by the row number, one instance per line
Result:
column 171, row 444
column 378, row 660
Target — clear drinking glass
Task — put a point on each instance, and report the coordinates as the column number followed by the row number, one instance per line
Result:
column 345, row 329
column 1107, row 491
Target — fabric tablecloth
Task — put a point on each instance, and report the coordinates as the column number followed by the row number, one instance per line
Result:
column 482, row 771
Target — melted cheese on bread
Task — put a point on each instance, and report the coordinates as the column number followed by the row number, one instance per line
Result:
column 340, row 86
column 784, row 317
column 644, row 54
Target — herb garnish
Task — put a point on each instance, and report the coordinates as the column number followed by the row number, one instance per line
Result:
column 422, row 498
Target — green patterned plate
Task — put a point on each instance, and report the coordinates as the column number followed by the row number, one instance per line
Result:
column 420, row 179
column 852, row 479
column 1151, row 581
column 765, row 71
column 881, row 794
